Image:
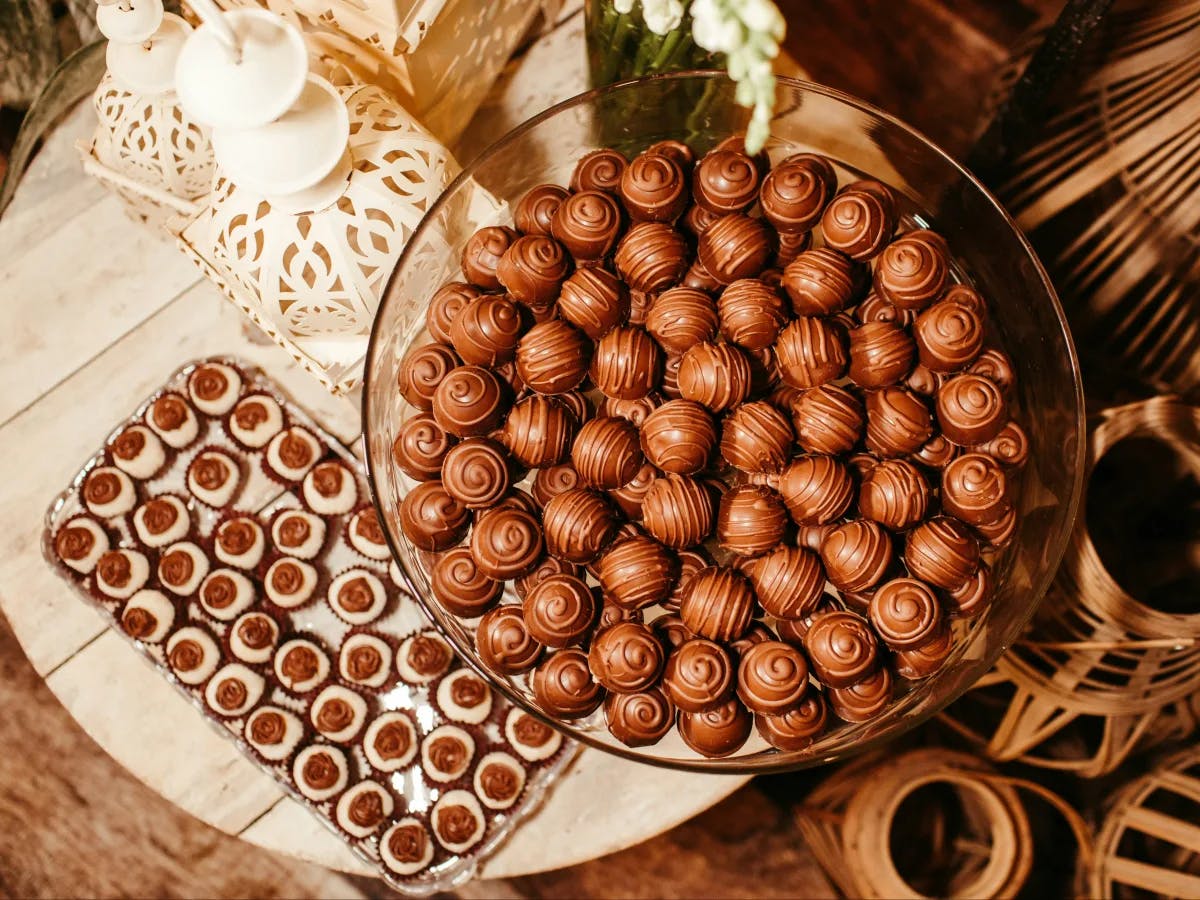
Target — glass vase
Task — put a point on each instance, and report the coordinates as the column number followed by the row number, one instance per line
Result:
column 621, row 47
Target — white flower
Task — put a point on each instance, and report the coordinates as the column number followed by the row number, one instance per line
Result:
column 662, row 16
column 712, row 29
column 624, row 7
column 761, row 16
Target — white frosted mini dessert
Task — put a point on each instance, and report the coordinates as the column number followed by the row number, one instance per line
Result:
column 225, row 594
column 363, row 809
column 214, row 388
column 80, row 544
column 192, row 654
column 320, row 772
column 446, row 753
column 148, row 616
column 252, row 638
column 357, row 596
column 338, row 713
column 292, row 452
column 464, row 697
column 406, row 847
column 182, row 567
column 240, row 542
column 499, row 780
column 289, row 583
column 255, row 420
column 298, row 533
column 233, row 690
column 138, row 452
column 273, row 732
column 390, row 743
column 161, row 521
column 108, row 492
column 300, row 665
column 121, row 573
column 330, row 489
column 458, row 821
column 173, row 420
column 213, row 478
column 365, row 660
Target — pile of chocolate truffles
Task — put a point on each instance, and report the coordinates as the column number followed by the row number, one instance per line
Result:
column 735, row 387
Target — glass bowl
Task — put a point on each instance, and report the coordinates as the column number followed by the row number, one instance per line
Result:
column 699, row 107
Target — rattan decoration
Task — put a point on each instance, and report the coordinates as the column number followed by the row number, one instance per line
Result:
column 313, row 280
column 849, row 819
column 1149, row 842
column 1096, row 660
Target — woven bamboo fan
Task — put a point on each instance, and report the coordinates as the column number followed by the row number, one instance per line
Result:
column 955, row 813
column 1149, row 841
column 1100, row 672
column 1111, row 193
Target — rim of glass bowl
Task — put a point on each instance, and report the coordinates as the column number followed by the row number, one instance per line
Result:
column 779, row 760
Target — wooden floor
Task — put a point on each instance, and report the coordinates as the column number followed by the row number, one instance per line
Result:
column 72, row 822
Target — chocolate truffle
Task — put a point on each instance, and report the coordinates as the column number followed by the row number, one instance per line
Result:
column 881, row 353
column 357, row 596
column 811, row 352
column 577, row 525
column 273, row 732
column 965, row 294
column 1000, row 533
column 533, row 739
column 971, row 409
column 715, row 375
column 298, row 533
column 476, row 473
column 446, row 753
column 725, row 181
column 80, row 544
column 390, row 742
column 108, row 492
column 975, row 594
column 639, row 307
column 821, row 282
column 138, row 452
column 751, row 520
column 943, row 552
column 587, row 224
column 300, row 665
column 791, row 245
column 856, row 554
column 422, row 657
column 633, row 411
column 460, row 587
column 863, row 701
column 816, row 489
column 506, row 544
column 559, row 610
column 936, row 453
column 651, row 256
column 926, row 659
column 682, row 317
column 482, row 252
column 699, row 675
column 499, row 780
column 975, row 489
column 330, row 489
column 828, row 419
column 320, row 772
column 653, row 188
column 458, row 822
column 679, row 437
column 717, row 604
column 552, row 357
column 860, row 219
column 626, row 657
column 772, row 678
column 503, row 641
column 485, row 331
column 594, row 300
column 788, row 582
column 564, row 686
column 905, row 613
column 797, row 728
column 678, row 511
column 539, row 431
column 554, row 480
column 599, row 170
column 911, row 273
column 464, row 697
column 697, row 220
column 406, row 847
column 875, row 309
column 422, row 370
column 895, row 494
column 690, row 562
column 532, row 269
column 640, row 719
column 182, row 567
column 607, row 453
column 431, row 518
column 444, row 306
column 627, row 363
column 549, row 565
column 172, row 419
column 841, row 648
column 898, row 423
column 756, row 437
column 992, row 364
column 536, row 208
column 214, row 388
column 638, row 572
column 233, row 690
column 256, row 419
column 253, row 637
column 733, row 247
column 751, row 314
column 192, row 655
column 148, row 616
column 716, row 732
column 949, row 336
column 796, row 192
column 671, row 631
column 365, row 660
column 469, row 401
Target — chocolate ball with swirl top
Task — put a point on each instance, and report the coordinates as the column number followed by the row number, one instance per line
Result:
column 772, row 678
column 842, row 649
column 482, row 252
column 677, row 150
column 795, row 193
column 751, row 520
column 905, row 613
column 599, row 170
column 506, row 544
column 431, row 518
column 816, row 489
column 564, row 686
column 627, row 364
column 503, row 641
column 911, row 273
column 626, row 657
column 967, row 296
column 477, row 473
column 640, row 719
column 577, row 524
column 859, row 221
column 593, row 300
column 470, row 401
column 536, row 209
column 690, row 562
column 460, row 587
column 559, row 610
column 898, row 423
column 936, row 453
column 875, row 309
column 716, row 732
column 821, row 282
column 942, row 552
column 949, row 336
column 552, row 357
column 444, row 306
column 420, row 446
column 678, row 511
column 549, row 565
column 715, row 375
column 653, row 188
column 651, row 256
column 811, row 352
column 923, row 381
column 756, row 437
column 533, row 268
column 699, row 675
column 881, row 354
column 926, row 659
column 894, row 493
column 587, row 224
column 974, row 595
column 633, row 411
column 718, row 604
column 606, row 453
column 971, row 409
column 733, row 247
column 863, row 701
column 538, row 431
column 797, row 728
column 697, row 219
column 1010, row 446
column 629, row 497
column 638, row 572
column 828, row 419
column 422, row 370
column 551, row 481
column 790, row 244
column 725, row 181
column 751, row 314
column 1000, row 533
column 975, row 489
column 788, row 582
column 997, row 366
column 682, row 317
column 856, row 554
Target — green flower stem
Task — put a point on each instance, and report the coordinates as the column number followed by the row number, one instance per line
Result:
column 669, row 49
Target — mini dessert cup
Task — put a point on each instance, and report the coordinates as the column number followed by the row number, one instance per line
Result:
column 163, row 520
column 253, row 637
column 215, row 476
column 301, row 665
column 139, row 452
column 80, row 543
column 366, row 661
column 363, row 809
column 298, row 533
column 274, row 733
column 172, row 418
column 463, row 697
column 321, row 771
column 290, row 455
column 357, row 596
column 254, row 421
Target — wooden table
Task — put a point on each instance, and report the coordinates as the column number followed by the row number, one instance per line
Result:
column 98, row 311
